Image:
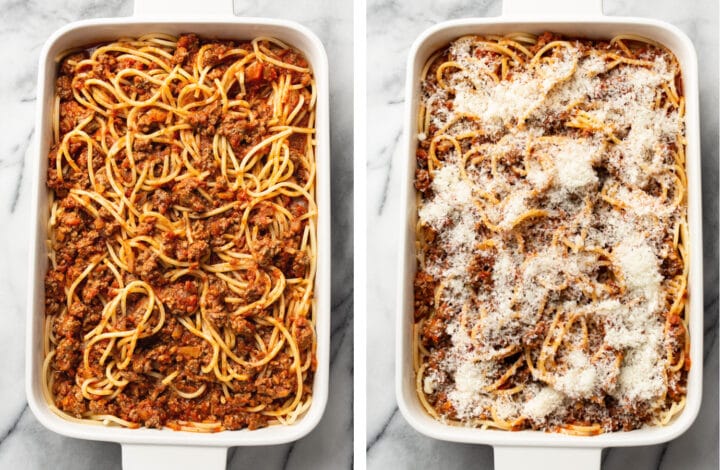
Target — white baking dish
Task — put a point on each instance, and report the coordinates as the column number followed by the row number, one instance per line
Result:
column 153, row 448
column 532, row 449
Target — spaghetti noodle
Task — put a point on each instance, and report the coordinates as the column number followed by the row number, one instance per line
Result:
column 182, row 235
column 552, row 272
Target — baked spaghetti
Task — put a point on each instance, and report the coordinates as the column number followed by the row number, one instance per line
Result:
column 182, row 234
column 551, row 286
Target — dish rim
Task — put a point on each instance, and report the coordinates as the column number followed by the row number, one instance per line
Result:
column 236, row 28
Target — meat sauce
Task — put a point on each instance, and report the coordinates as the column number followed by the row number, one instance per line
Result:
column 435, row 314
column 81, row 238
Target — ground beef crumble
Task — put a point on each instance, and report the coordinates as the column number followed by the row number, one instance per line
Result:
column 190, row 222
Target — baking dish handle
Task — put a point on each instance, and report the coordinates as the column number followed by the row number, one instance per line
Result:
column 160, row 457
column 164, row 8
column 531, row 8
column 546, row 458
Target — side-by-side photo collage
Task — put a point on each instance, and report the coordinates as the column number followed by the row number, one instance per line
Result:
column 360, row 235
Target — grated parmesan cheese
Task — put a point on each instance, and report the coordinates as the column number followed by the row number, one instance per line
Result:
column 515, row 206
column 574, row 163
column 430, row 383
column 557, row 169
column 581, row 378
column 642, row 374
column 498, row 104
column 543, row 404
column 639, row 265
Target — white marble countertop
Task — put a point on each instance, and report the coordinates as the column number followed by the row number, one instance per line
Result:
column 24, row 443
column 392, row 27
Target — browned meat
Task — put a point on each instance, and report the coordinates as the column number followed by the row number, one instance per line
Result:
column 202, row 269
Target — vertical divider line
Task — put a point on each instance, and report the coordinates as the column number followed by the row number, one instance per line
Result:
column 360, row 232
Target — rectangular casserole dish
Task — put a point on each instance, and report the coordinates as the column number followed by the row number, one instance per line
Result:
column 533, row 449
column 146, row 448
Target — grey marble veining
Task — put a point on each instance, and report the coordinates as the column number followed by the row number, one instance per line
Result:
column 392, row 27
column 24, row 443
